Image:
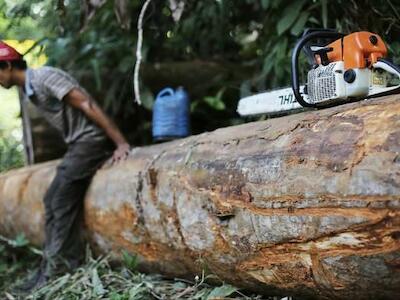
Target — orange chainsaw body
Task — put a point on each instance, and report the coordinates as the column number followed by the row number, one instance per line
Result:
column 357, row 50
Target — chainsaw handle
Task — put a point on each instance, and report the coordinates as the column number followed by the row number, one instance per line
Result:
column 388, row 66
column 295, row 61
column 307, row 47
column 391, row 68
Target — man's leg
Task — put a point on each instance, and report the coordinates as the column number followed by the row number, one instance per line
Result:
column 47, row 200
column 64, row 248
column 33, row 278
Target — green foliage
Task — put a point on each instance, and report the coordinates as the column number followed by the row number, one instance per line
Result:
column 16, row 256
column 130, row 261
column 290, row 15
column 20, row 241
column 98, row 288
column 11, row 150
column 98, row 280
column 11, row 155
column 25, row 25
column 216, row 102
column 222, row 292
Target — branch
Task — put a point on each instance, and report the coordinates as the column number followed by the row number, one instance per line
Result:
column 139, row 52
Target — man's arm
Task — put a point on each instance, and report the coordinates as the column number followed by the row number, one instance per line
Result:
column 89, row 107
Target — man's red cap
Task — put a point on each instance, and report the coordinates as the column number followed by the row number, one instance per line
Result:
column 8, row 53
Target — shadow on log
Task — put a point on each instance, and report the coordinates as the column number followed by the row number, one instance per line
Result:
column 306, row 204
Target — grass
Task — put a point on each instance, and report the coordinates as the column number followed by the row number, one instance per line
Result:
column 97, row 279
column 16, row 257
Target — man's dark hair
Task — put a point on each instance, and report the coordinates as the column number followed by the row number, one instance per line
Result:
column 17, row 64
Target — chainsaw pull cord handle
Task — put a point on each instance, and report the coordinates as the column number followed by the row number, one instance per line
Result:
column 295, row 61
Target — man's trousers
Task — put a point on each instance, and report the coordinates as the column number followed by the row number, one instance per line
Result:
column 64, row 244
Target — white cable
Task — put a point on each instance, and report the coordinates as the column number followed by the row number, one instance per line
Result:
column 139, row 52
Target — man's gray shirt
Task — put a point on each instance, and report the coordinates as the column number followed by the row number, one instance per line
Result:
column 46, row 88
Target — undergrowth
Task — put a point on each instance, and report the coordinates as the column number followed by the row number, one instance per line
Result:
column 98, row 279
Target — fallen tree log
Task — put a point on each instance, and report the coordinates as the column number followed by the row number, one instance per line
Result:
column 306, row 204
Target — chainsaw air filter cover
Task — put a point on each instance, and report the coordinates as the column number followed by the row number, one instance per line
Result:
column 326, row 83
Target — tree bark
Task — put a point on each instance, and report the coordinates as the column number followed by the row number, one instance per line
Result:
column 306, row 204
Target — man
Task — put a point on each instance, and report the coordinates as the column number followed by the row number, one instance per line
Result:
column 87, row 132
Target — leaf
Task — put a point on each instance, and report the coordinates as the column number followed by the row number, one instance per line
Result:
column 220, row 93
column 222, row 291
column 86, row 49
column 147, row 99
column 314, row 20
column 265, row 4
column 98, row 288
column 116, row 296
column 300, row 23
column 129, row 260
column 125, row 64
column 282, row 46
column 193, row 105
column 137, row 290
column 179, row 285
column 290, row 15
column 201, row 294
column 96, row 70
column 3, row 268
column 51, row 289
column 216, row 102
column 20, row 241
column 276, row 3
column 9, row 296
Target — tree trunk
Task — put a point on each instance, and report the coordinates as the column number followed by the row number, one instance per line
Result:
column 306, row 204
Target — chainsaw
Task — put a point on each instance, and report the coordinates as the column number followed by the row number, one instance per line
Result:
column 343, row 69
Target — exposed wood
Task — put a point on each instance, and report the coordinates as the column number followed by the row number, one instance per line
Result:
column 307, row 204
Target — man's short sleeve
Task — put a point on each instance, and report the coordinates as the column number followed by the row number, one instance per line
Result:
column 57, row 83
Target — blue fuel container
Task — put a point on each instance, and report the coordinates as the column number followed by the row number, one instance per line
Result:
column 171, row 119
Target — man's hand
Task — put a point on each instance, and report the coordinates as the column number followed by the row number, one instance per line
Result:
column 121, row 153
